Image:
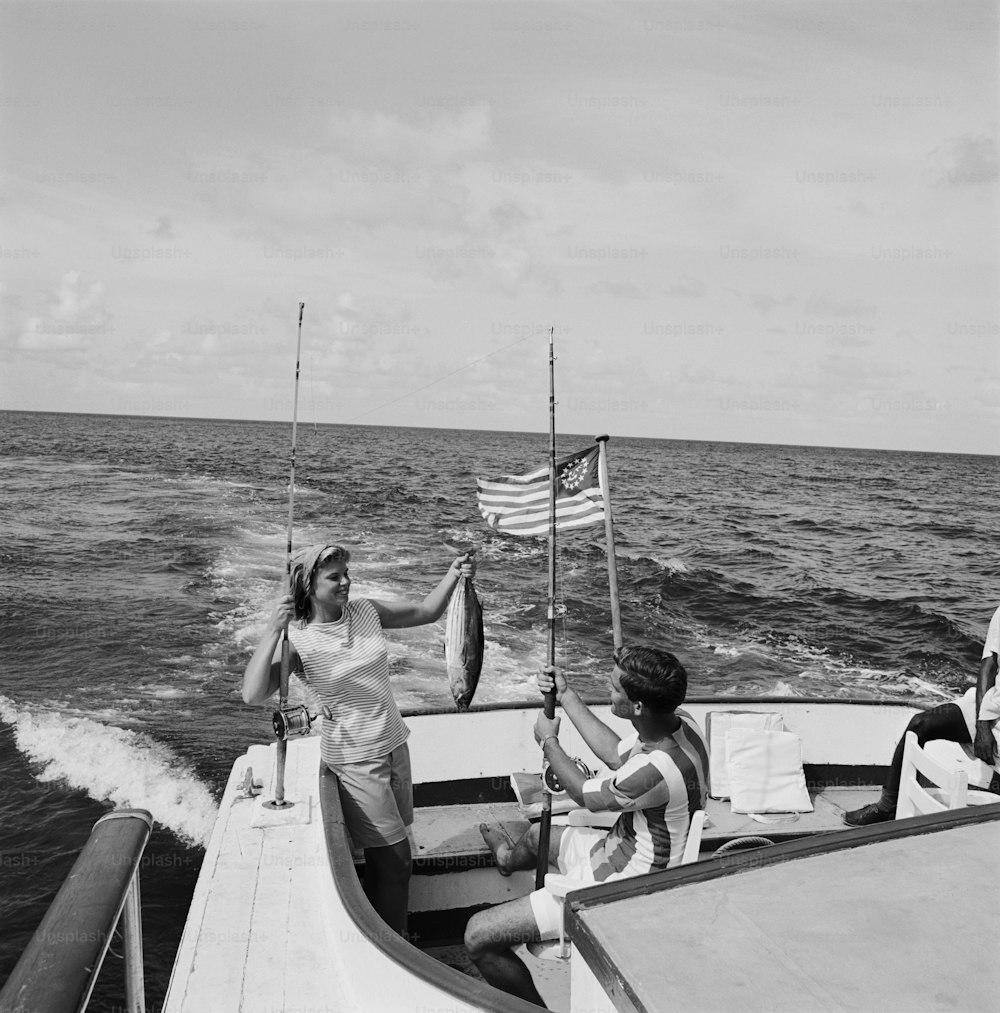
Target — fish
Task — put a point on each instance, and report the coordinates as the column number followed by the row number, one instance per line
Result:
column 463, row 642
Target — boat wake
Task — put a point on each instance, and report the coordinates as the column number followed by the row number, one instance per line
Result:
column 114, row 765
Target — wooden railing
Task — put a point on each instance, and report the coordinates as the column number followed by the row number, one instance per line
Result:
column 59, row 967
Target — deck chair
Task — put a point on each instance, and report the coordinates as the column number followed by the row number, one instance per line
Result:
column 559, row 885
column 951, row 791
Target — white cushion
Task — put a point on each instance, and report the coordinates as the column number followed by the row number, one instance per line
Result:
column 718, row 724
column 765, row 772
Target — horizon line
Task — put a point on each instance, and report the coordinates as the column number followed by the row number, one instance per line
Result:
column 520, row 432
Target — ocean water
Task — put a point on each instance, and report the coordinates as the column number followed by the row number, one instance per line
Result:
column 141, row 557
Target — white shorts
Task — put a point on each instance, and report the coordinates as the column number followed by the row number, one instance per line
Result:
column 575, row 847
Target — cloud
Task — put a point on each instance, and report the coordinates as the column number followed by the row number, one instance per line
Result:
column 164, row 228
column 825, row 304
column 687, row 288
column 507, row 216
column 968, row 161
column 618, row 289
column 377, row 138
column 987, row 395
column 763, row 302
column 76, row 317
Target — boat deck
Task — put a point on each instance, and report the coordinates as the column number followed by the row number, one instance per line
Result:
column 249, row 928
column 451, row 831
column 249, row 942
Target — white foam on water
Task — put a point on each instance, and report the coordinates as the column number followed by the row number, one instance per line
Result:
column 116, row 765
column 919, row 685
column 675, row 565
column 782, row 688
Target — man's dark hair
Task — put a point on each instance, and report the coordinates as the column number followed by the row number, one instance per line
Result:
column 652, row 676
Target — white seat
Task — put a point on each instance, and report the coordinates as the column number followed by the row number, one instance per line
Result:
column 961, row 757
column 692, row 846
column 951, row 786
column 559, row 885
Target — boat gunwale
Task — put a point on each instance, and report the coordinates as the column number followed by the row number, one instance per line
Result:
column 595, row 700
column 578, row 902
column 461, row 987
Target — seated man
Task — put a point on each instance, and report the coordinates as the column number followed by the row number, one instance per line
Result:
column 971, row 719
column 658, row 780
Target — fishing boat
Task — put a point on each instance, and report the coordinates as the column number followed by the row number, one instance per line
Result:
column 279, row 920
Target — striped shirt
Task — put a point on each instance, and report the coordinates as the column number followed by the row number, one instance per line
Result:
column 657, row 790
column 346, row 666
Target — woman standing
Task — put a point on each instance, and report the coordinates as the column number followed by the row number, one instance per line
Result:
column 338, row 648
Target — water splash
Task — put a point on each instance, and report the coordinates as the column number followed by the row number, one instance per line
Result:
column 114, row 765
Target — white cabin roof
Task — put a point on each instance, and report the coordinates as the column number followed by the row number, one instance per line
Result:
column 890, row 925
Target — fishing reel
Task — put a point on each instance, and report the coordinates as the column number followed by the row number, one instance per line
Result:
column 552, row 782
column 291, row 721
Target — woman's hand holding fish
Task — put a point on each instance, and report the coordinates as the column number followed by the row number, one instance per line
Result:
column 464, row 565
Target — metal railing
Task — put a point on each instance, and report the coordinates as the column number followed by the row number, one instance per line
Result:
column 59, row 967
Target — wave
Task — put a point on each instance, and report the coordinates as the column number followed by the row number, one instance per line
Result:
column 114, row 765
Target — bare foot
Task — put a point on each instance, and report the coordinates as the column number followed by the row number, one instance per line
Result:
column 499, row 845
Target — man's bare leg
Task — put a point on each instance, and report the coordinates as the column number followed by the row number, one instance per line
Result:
column 511, row 857
column 490, row 937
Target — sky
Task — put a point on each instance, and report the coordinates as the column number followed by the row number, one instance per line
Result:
column 768, row 222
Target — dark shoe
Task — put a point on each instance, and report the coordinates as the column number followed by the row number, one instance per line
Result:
column 867, row 815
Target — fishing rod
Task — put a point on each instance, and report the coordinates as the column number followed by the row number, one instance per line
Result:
column 545, row 826
column 279, row 801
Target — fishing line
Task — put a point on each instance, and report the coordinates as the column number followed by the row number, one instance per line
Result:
column 312, row 388
column 402, row 397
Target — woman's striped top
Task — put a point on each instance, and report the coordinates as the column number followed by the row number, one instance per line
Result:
column 346, row 665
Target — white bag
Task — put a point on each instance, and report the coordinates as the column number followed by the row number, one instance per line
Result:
column 765, row 772
column 717, row 725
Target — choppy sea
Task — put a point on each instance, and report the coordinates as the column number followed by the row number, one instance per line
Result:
column 141, row 555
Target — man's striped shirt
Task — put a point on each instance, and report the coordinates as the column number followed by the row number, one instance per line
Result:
column 346, row 666
column 657, row 789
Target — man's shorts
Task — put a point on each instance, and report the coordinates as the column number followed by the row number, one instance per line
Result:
column 377, row 798
column 575, row 847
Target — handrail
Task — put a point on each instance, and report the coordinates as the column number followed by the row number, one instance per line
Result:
column 59, row 967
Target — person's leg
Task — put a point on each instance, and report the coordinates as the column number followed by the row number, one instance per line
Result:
column 376, row 797
column 523, row 854
column 490, row 937
column 387, row 882
column 943, row 722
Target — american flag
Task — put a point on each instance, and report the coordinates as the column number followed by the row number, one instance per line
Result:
column 519, row 504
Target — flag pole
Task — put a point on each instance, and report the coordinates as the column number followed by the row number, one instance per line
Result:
column 545, row 826
column 279, row 801
column 609, row 532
